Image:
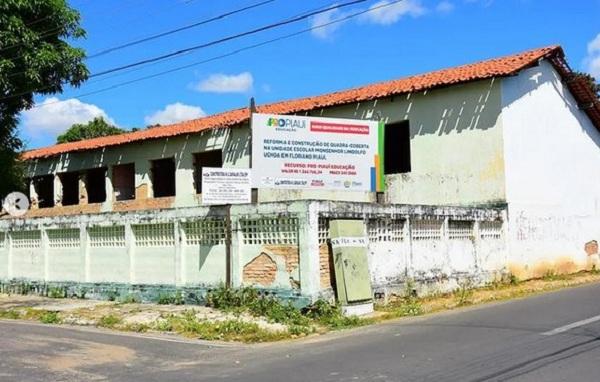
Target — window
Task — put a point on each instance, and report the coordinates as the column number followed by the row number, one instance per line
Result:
column 397, row 148
column 96, row 185
column 44, row 188
column 70, row 188
column 212, row 158
column 123, row 178
column 163, row 177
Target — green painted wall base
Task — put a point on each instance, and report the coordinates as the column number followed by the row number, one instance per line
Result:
column 191, row 295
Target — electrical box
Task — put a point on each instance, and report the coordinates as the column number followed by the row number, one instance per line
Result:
column 349, row 244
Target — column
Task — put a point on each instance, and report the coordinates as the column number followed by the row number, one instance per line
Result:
column 308, row 242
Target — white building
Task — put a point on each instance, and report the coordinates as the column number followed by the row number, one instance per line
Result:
column 520, row 133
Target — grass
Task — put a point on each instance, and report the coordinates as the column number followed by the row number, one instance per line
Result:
column 109, row 321
column 244, row 306
column 508, row 288
column 50, row 318
column 227, row 330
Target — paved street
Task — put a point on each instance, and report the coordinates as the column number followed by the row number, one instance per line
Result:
column 552, row 337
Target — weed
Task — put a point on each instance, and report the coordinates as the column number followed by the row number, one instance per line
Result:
column 229, row 299
column 130, row 299
column 49, row 318
column 552, row 275
column 170, row 299
column 164, row 325
column 411, row 305
column 276, row 311
column 298, row 330
column 109, row 321
column 594, row 270
column 10, row 314
column 112, row 295
column 138, row 328
column 464, row 293
column 57, row 292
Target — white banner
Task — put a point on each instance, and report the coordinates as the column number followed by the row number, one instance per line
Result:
column 226, row 186
column 315, row 153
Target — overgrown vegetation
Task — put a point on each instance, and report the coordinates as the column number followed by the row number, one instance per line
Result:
column 49, row 318
column 247, row 315
column 170, row 299
column 464, row 293
column 308, row 320
column 109, row 321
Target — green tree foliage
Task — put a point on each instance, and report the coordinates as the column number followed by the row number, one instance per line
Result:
column 95, row 128
column 35, row 57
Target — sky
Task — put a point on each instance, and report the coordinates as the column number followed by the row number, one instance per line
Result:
column 386, row 41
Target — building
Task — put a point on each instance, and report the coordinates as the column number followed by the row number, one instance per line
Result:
column 516, row 133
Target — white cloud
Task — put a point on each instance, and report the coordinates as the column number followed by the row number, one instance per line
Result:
column 53, row 116
column 173, row 113
column 594, row 45
column 319, row 21
column 444, row 7
column 592, row 61
column 224, row 83
column 390, row 14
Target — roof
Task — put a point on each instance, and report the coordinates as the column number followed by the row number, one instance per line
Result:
column 497, row 67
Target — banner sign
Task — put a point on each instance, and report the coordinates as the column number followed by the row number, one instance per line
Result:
column 226, row 186
column 317, row 153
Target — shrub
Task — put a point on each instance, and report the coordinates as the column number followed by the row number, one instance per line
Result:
column 228, row 299
column 57, row 292
column 130, row 299
column 109, row 321
column 170, row 299
column 50, row 318
column 464, row 292
column 10, row 314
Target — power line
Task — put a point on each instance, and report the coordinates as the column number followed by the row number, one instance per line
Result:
column 297, row 18
column 228, row 38
column 173, row 31
column 57, row 30
column 131, row 70
column 232, row 53
column 180, row 29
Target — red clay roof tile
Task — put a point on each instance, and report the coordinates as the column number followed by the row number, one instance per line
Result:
column 497, row 67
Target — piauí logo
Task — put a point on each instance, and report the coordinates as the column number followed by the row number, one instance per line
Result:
column 286, row 122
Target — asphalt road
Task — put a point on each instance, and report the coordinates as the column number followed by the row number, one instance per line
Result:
column 551, row 337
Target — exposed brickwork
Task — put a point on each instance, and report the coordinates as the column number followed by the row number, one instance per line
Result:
column 291, row 253
column 326, row 266
column 144, row 204
column 141, row 191
column 64, row 210
column 262, row 270
column 83, row 194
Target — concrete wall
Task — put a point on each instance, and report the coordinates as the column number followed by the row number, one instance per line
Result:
column 423, row 244
column 552, row 156
column 280, row 247
column 3, row 256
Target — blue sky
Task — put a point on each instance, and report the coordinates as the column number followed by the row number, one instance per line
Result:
column 409, row 37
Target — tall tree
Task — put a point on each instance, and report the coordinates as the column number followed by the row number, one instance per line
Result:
column 35, row 57
column 95, row 128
